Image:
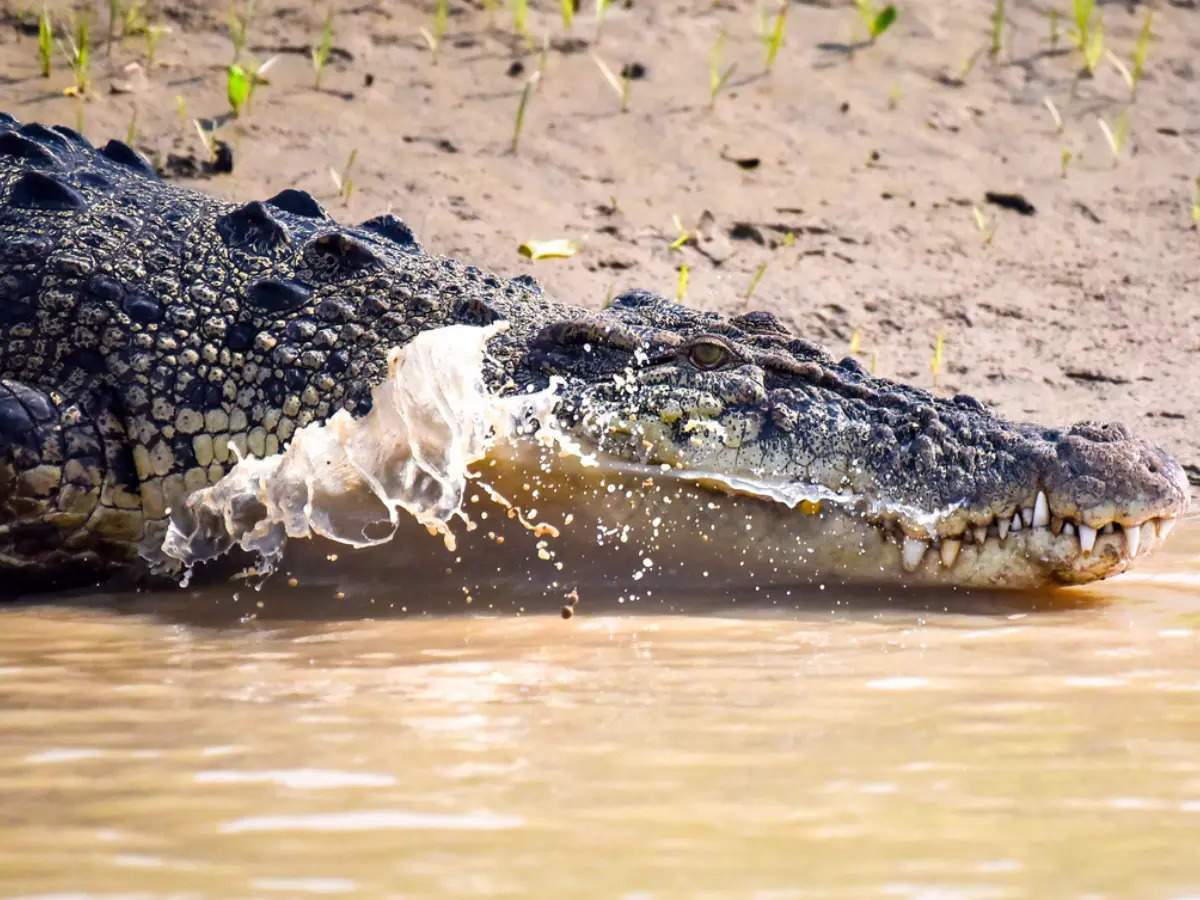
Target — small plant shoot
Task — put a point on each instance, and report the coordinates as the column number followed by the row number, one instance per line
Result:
column 238, row 86
column 342, row 180
column 206, row 139
column 433, row 36
column 601, row 12
column 45, row 42
column 987, row 231
column 1054, row 114
column 79, row 55
column 1116, row 134
column 521, row 20
column 1140, row 51
column 526, row 92
column 718, row 78
column 935, row 363
column 320, row 53
column 619, row 84
column 876, row 20
column 682, row 234
column 1088, row 34
column 772, row 37
column 758, row 274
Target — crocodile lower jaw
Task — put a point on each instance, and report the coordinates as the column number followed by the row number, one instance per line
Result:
column 1071, row 552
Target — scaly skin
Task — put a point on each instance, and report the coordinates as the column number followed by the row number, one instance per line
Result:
column 147, row 330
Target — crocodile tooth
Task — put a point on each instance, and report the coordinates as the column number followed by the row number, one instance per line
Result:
column 1164, row 528
column 1068, row 529
column 1002, row 527
column 1041, row 511
column 1027, row 516
column 949, row 551
column 1015, row 525
column 1133, row 539
column 1107, row 529
column 1087, row 538
column 1149, row 532
column 980, row 532
column 912, row 552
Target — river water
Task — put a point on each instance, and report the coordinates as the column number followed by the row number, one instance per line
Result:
column 848, row 745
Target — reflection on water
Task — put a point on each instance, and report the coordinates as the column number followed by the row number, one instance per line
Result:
column 829, row 743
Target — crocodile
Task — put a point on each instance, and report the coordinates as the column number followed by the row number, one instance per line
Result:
column 151, row 335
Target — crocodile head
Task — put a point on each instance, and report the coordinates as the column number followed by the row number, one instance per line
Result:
column 938, row 490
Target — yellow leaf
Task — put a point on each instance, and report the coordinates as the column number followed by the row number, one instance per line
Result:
column 558, row 248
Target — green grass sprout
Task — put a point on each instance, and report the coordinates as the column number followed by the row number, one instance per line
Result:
column 1053, row 37
column 238, row 21
column 969, row 65
column 181, row 108
column 1140, row 50
column 758, row 274
column 239, row 84
column 935, row 363
column 543, row 60
column 601, row 12
column 152, row 36
column 320, row 53
column 79, row 54
column 45, row 42
column 619, row 84
column 1196, row 205
column 987, row 231
column 567, row 7
column 1116, row 134
column 526, row 92
column 718, row 78
column 131, row 131
column 115, row 14
column 1064, row 160
column 682, row 285
column 876, row 20
column 135, row 21
column 1054, row 114
column 521, row 20
column 997, row 28
column 433, row 36
column 1122, row 70
column 206, row 139
column 682, row 234
column 773, row 37
column 342, row 180
column 1088, row 33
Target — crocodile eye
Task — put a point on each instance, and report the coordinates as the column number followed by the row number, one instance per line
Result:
column 708, row 355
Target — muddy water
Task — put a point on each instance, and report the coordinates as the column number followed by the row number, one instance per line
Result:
column 838, row 745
